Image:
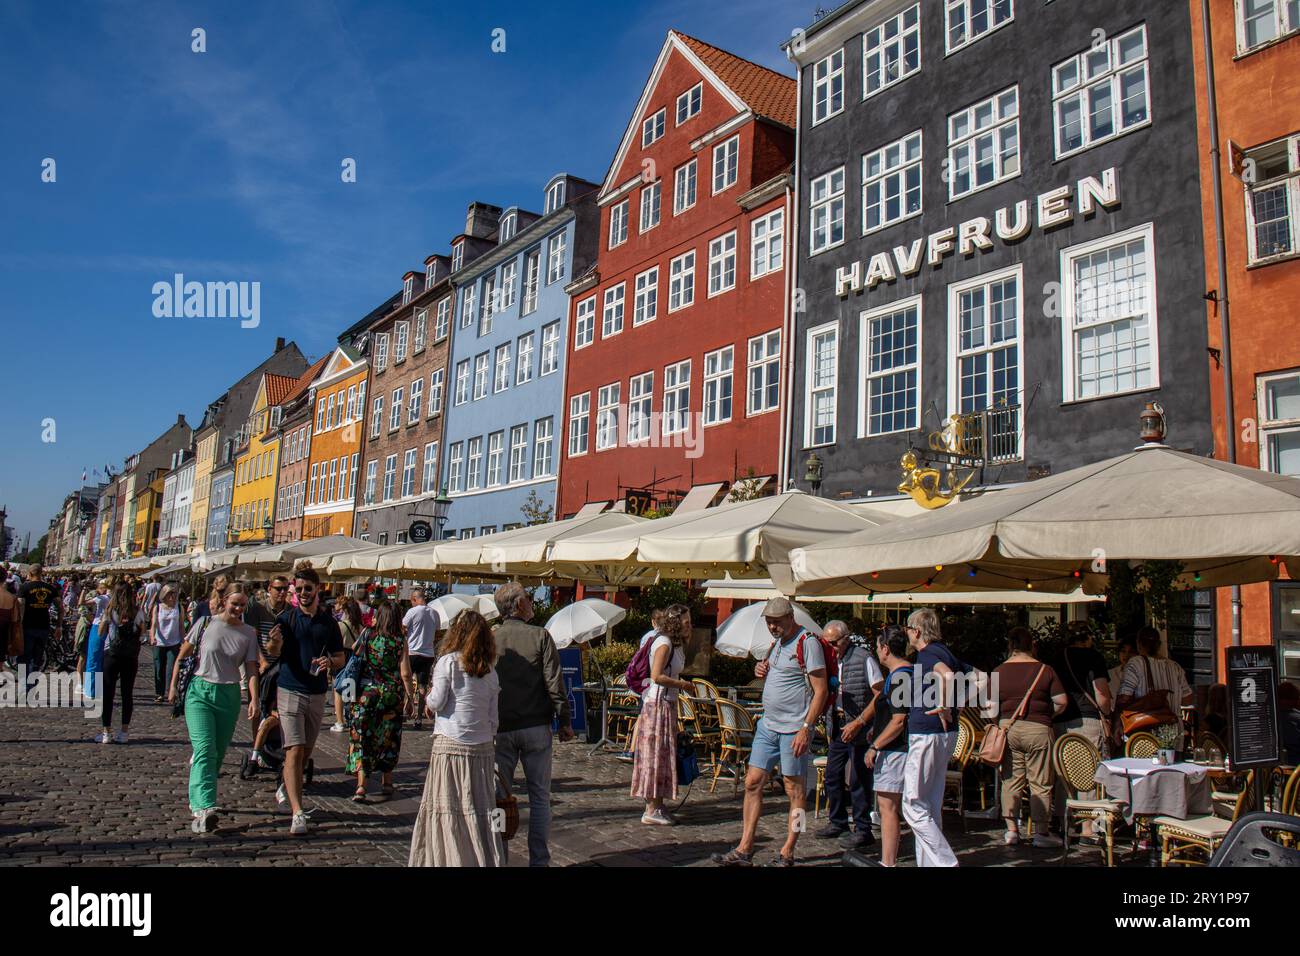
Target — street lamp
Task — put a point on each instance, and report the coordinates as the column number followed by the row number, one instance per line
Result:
column 813, row 474
column 441, row 505
column 266, row 529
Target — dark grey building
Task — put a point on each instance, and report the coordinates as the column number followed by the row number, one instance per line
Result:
column 998, row 209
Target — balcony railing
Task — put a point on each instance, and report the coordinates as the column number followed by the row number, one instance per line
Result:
column 991, row 435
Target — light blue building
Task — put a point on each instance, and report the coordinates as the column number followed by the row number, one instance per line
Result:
column 223, row 488
column 505, row 375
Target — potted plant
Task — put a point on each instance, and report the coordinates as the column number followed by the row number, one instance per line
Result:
column 1169, row 737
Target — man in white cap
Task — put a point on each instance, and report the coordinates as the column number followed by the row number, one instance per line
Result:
column 795, row 693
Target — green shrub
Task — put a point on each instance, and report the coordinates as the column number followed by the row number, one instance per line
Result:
column 612, row 657
column 727, row 671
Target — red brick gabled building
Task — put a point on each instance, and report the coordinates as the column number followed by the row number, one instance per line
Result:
column 675, row 344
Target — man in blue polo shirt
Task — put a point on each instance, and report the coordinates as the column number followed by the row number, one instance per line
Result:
column 309, row 646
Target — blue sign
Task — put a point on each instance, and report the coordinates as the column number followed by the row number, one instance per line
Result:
column 571, row 669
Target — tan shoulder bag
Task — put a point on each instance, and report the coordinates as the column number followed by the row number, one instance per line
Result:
column 994, row 745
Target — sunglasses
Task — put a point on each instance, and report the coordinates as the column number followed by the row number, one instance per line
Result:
column 306, row 592
column 279, row 587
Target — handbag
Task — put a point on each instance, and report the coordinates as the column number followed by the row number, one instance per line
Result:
column 349, row 678
column 1150, row 710
column 994, row 745
column 186, row 669
column 688, row 764
column 508, row 806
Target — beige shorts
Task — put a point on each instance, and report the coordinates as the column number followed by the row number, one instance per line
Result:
column 300, row 717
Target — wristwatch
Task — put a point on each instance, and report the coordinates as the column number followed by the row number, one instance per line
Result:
column 807, row 726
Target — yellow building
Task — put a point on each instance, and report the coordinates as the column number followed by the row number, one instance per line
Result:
column 204, row 454
column 148, row 515
column 252, row 502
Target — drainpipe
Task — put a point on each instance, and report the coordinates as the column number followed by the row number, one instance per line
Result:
column 792, row 288
column 1225, row 343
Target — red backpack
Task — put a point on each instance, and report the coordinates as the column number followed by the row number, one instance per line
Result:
column 832, row 658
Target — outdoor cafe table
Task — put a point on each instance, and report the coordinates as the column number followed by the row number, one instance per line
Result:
column 1146, row 789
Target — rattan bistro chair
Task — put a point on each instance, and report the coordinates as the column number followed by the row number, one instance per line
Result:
column 1187, row 841
column 736, row 737
column 1075, row 759
column 1141, row 744
column 955, row 780
column 1291, row 794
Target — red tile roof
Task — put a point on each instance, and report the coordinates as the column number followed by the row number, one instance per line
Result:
column 304, row 381
column 277, row 387
column 766, row 92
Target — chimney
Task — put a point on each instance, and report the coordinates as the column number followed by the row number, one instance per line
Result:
column 180, row 418
column 481, row 219
column 279, row 343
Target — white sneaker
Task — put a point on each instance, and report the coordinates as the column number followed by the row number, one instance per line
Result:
column 336, row 728
column 1046, row 840
column 120, row 737
column 103, row 738
column 205, row 820
column 298, row 826
column 658, row 818
column 281, row 797
column 1010, row 837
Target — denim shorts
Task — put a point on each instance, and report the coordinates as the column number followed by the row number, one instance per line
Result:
column 769, row 745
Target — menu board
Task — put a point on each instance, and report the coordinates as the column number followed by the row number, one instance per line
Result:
column 1252, row 696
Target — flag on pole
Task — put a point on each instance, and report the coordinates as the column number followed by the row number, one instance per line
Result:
column 83, row 475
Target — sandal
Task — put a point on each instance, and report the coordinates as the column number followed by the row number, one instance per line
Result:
column 359, row 796
column 733, row 858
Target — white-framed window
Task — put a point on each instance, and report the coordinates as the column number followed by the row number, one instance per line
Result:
column 524, row 359
column 468, row 309
column 618, row 224
column 826, row 211
column 681, row 281
column 495, row 451
column 480, row 375
column 408, row 473
column 1279, row 422
column 767, row 243
column 518, row 453
column 821, row 384
column 890, row 395
column 509, row 224
column 726, row 164
column 455, row 464
column 351, row 413
column 429, row 478
column 311, row 492
column 579, row 423
column 395, row 411
column 984, row 143
column 828, row 87
column 1260, row 22
column 650, row 196
column 501, row 375
column 421, row 329
column 381, row 352
column 329, row 412
column 645, row 304
column 677, row 397
column 639, row 416
column 653, row 127
column 462, row 382
column 457, row 256
column 544, row 447
column 985, row 332
column 584, row 325
column 415, row 402
column 403, row 331
column 1273, row 200
column 408, row 287
column 442, row 325
column 722, row 264
column 352, row 472
column 763, row 373
column 891, row 183
column 719, row 383
column 968, row 20
column 555, row 256
column 532, row 278
column 1101, row 93
column 509, row 275
column 607, row 400
column 891, row 51
column 334, row 474
column 688, row 103
column 474, row 464
column 428, row 276
column 435, row 391
column 611, row 322
column 685, row 183
column 377, row 417
column 551, row 346
column 489, row 304
column 390, row 476
column 1109, row 328
column 554, row 197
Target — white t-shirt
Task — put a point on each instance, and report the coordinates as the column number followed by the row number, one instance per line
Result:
column 676, row 661
column 421, row 623
column 646, row 636
column 169, row 625
column 150, row 594
column 101, row 605
column 223, row 648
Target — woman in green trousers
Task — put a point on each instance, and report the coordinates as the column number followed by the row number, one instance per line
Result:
column 222, row 642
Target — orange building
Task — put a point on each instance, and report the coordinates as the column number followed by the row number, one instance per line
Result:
column 1255, row 55
column 339, row 399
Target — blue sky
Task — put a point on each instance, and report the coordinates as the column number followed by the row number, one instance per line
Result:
column 225, row 166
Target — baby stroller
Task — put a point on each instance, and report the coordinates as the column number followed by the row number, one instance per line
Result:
column 272, row 761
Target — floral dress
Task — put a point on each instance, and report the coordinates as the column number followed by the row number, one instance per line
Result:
column 375, row 719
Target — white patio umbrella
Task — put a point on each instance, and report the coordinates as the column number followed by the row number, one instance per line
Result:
column 745, row 633
column 450, row 605
column 1227, row 524
column 583, row 621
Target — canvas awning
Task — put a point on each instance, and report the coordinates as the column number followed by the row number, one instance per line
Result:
column 698, row 498
column 760, row 589
column 591, row 508
column 282, row 557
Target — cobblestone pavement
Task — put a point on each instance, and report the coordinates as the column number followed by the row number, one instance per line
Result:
column 65, row 800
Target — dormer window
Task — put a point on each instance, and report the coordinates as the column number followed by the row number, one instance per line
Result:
column 554, row 196
column 509, row 223
column 457, row 256
column 428, row 275
column 408, row 288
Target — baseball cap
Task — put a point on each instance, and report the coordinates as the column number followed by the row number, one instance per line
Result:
column 777, row 607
